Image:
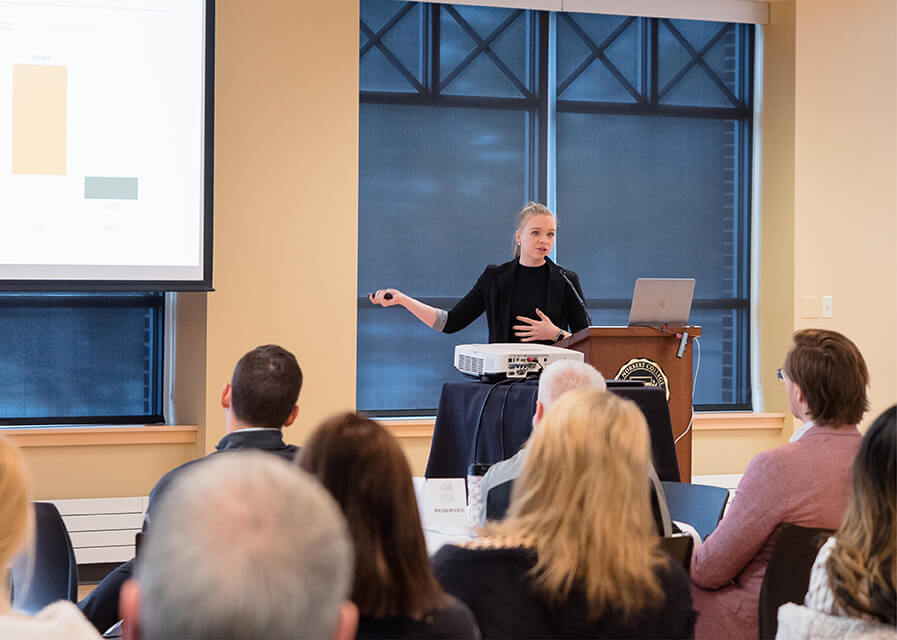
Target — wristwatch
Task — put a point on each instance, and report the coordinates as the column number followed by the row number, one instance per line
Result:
column 560, row 335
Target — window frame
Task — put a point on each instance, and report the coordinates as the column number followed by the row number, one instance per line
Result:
column 154, row 302
column 540, row 171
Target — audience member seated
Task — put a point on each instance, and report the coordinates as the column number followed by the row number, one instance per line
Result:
column 258, row 402
column 805, row 482
column 58, row 620
column 855, row 573
column 578, row 555
column 364, row 468
column 242, row 547
column 558, row 378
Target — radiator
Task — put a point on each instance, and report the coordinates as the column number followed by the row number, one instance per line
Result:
column 102, row 529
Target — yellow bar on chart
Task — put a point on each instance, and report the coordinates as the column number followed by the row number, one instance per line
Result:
column 38, row 119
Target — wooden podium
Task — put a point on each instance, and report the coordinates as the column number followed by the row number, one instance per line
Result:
column 649, row 355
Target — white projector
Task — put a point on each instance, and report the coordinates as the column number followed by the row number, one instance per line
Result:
column 510, row 359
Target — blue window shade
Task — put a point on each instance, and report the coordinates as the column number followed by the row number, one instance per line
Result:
column 649, row 173
column 80, row 358
column 429, row 232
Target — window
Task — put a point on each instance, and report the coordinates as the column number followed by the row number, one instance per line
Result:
column 636, row 130
column 80, row 358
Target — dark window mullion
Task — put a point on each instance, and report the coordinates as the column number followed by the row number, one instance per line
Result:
column 464, row 102
column 436, row 36
column 697, row 59
column 627, row 108
column 374, row 38
column 597, row 52
column 483, row 46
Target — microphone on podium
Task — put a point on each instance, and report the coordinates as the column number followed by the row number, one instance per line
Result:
column 579, row 299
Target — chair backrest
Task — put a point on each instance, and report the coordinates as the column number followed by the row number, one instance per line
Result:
column 699, row 505
column 49, row 572
column 788, row 572
column 498, row 499
column 679, row 547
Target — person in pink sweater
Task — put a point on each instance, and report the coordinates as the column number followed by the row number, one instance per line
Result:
column 805, row 482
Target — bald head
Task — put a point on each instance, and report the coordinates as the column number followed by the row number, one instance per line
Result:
column 563, row 376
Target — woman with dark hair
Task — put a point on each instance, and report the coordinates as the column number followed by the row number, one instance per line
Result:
column 855, row 573
column 805, row 482
column 364, row 469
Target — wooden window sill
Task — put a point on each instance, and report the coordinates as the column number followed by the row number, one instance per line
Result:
column 738, row 421
column 93, row 436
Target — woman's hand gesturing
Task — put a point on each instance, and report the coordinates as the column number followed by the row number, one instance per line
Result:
column 385, row 297
column 541, row 329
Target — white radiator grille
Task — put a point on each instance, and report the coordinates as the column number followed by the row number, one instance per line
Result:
column 102, row 529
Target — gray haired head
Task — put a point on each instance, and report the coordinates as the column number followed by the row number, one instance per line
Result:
column 244, row 545
column 566, row 375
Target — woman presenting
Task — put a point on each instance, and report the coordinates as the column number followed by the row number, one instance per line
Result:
column 529, row 299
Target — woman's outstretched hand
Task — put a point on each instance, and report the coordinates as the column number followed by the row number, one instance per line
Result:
column 385, row 297
column 541, row 329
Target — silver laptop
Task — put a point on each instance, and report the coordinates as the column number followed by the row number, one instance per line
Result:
column 660, row 301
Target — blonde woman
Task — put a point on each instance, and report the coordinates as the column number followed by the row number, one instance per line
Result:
column 60, row 619
column 578, row 554
column 528, row 299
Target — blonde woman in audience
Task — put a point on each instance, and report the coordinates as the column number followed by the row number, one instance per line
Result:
column 852, row 584
column 364, row 469
column 805, row 482
column 578, row 554
column 58, row 620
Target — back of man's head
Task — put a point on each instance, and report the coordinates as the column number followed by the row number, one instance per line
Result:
column 566, row 375
column 265, row 386
column 244, row 545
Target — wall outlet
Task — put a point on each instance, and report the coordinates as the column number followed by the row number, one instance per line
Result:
column 826, row 306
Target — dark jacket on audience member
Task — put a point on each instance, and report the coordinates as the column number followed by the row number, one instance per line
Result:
column 270, row 440
column 495, row 584
column 101, row 606
column 452, row 622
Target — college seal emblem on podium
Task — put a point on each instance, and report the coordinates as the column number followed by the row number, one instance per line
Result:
column 647, row 371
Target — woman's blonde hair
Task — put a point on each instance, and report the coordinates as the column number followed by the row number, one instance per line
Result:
column 862, row 568
column 529, row 210
column 15, row 511
column 583, row 499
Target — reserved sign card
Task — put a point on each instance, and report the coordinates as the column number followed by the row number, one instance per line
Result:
column 444, row 505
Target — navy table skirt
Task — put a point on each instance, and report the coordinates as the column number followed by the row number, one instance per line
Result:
column 485, row 422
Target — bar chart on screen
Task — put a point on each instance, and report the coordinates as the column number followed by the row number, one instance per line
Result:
column 102, row 111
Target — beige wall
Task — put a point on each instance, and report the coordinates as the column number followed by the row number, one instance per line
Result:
column 286, row 219
column 286, row 197
column 845, row 185
column 776, row 212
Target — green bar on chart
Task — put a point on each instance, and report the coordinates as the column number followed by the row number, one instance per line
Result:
column 99, row 188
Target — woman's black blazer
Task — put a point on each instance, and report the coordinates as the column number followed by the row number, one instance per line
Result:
column 492, row 294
